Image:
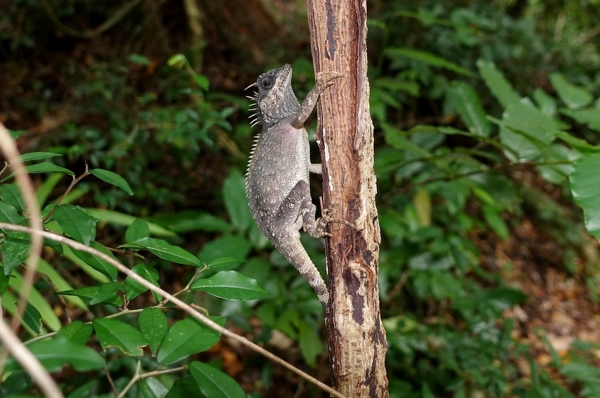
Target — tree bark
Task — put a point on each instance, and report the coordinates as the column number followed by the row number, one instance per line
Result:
column 356, row 337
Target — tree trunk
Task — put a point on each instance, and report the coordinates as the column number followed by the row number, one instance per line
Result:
column 356, row 337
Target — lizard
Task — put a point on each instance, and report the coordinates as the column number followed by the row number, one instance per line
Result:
column 277, row 179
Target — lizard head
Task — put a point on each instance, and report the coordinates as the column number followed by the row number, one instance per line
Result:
column 275, row 98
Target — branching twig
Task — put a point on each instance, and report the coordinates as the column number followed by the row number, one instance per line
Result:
column 182, row 305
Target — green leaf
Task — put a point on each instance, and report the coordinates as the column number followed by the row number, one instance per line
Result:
column 497, row 83
column 133, row 288
column 428, row 58
column 153, row 325
column 126, row 220
column 546, row 103
column 309, row 342
column 165, row 251
column 33, row 156
column 9, row 214
column 224, row 263
column 55, row 353
column 187, row 337
column 32, row 318
column 139, row 59
column 236, row 202
column 106, row 292
column 88, row 293
column 225, row 246
column 574, row 97
column 585, row 187
column 230, row 285
column 191, row 220
column 113, row 179
column 518, row 144
column 177, row 61
column 213, row 383
column 113, row 333
column 152, row 388
column 76, row 331
column 47, row 167
column 10, row 194
column 76, row 223
column 15, row 250
column 96, row 262
column 37, row 300
column 589, row 117
column 467, row 102
column 494, row 219
column 137, row 230
column 184, row 387
column 202, row 82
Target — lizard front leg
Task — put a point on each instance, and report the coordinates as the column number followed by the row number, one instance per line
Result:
column 323, row 80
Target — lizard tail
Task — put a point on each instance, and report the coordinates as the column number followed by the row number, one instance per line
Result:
column 297, row 256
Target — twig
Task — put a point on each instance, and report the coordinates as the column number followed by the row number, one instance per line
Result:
column 9, row 149
column 182, row 305
column 28, row 361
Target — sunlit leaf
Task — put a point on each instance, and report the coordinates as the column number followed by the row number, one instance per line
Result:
column 152, row 388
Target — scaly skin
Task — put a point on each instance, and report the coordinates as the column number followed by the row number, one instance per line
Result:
column 277, row 181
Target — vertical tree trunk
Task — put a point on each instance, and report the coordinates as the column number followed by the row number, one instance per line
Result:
column 357, row 343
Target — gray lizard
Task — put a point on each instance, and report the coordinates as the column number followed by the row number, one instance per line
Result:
column 277, row 182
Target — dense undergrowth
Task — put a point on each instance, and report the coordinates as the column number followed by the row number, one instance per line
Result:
column 485, row 118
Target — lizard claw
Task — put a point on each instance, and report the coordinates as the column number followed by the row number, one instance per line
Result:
column 326, row 79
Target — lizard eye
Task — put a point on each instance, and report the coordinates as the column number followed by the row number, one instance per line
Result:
column 266, row 82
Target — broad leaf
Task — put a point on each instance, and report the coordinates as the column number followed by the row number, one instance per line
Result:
column 497, row 83
column 224, row 247
column 152, row 388
column 76, row 223
column 165, row 251
column 10, row 194
column 230, row 285
column 47, row 167
column 9, row 214
column 113, row 333
column 89, row 293
column 575, row 97
column 107, row 292
column 96, row 262
column 236, row 202
column 191, row 220
column 213, row 383
column 32, row 318
column 133, row 288
column 153, row 325
column 585, row 187
column 467, row 102
column 113, row 179
column 15, row 250
column 76, row 331
column 428, row 58
column 187, row 337
column 33, row 156
column 57, row 352
column 309, row 342
column 137, row 230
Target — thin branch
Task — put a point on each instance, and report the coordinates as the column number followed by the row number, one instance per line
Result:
column 9, row 149
column 28, row 361
column 182, row 305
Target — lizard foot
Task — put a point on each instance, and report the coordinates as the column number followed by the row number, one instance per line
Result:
column 326, row 79
column 326, row 217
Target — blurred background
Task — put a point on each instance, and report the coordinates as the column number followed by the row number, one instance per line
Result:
column 489, row 279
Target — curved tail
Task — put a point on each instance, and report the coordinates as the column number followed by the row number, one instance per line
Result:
column 293, row 250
